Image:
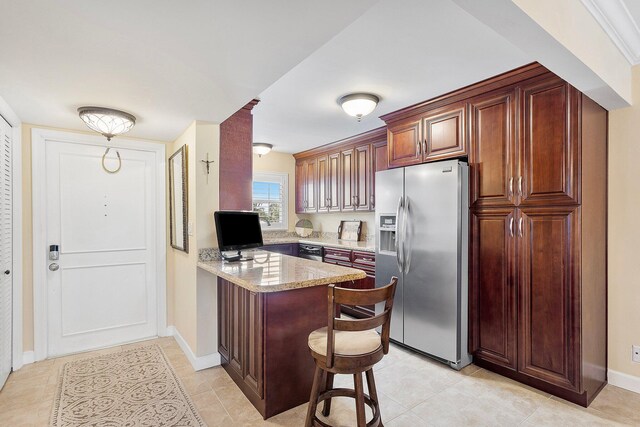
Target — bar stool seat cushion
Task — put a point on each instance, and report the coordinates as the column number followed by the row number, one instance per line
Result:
column 347, row 343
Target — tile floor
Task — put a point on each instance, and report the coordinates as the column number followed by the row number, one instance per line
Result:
column 414, row 391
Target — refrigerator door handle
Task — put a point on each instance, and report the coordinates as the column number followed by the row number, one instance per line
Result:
column 399, row 248
column 407, row 235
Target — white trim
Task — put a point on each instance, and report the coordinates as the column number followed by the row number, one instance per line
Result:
column 17, row 358
column 198, row 363
column 622, row 380
column 618, row 23
column 38, row 173
column 28, row 357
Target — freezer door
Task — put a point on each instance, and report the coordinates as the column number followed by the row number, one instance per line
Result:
column 389, row 191
column 432, row 267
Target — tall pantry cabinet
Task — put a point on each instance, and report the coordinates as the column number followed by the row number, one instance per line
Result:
column 537, row 152
column 538, row 165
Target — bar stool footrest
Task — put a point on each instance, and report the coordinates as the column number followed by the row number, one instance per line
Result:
column 347, row 392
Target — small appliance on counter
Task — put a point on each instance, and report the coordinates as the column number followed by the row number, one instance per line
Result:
column 422, row 220
column 237, row 230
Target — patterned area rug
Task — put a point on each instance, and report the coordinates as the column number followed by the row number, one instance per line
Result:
column 130, row 388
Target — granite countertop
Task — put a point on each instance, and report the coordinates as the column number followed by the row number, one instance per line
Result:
column 363, row 245
column 272, row 272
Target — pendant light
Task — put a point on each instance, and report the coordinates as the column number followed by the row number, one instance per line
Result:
column 359, row 104
column 109, row 123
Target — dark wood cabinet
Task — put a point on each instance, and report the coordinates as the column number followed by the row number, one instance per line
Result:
column 549, row 347
column 492, row 271
column 306, row 186
column 493, row 160
column 343, row 173
column 549, row 155
column 323, row 180
column 362, row 260
column 444, row 133
column 290, row 249
column 333, row 183
column 347, row 183
column 537, row 273
column 252, row 340
column 404, row 143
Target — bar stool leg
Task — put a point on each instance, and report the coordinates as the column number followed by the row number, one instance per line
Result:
column 371, row 384
column 326, row 410
column 359, row 387
column 313, row 400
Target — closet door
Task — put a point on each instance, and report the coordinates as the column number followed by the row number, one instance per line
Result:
column 5, row 251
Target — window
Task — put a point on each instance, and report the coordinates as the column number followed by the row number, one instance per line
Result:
column 270, row 199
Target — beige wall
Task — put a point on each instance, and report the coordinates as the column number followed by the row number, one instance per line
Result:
column 329, row 222
column 282, row 163
column 569, row 22
column 624, row 233
column 27, row 234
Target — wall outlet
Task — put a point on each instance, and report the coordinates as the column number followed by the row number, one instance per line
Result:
column 635, row 353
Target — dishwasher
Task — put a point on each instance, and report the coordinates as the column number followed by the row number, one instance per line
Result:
column 313, row 252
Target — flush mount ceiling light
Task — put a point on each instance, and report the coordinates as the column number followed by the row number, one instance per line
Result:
column 109, row 123
column 358, row 104
column 261, row 148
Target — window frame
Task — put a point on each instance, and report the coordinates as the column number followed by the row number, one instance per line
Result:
column 281, row 178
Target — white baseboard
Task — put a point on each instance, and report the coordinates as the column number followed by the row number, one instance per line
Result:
column 622, row 380
column 198, row 363
column 28, row 357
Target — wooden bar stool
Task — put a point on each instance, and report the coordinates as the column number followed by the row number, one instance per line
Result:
column 350, row 346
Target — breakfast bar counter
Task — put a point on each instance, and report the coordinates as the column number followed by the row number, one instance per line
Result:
column 267, row 308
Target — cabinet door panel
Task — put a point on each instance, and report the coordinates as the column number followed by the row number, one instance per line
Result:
column 492, row 155
column 549, row 153
column 311, row 177
column 253, row 342
column 301, row 185
column 549, row 345
column 492, row 290
column 444, row 133
column 236, row 345
column 380, row 162
column 404, row 144
column 347, row 178
column 362, row 177
column 323, row 175
column 223, row 318
column 333, row 182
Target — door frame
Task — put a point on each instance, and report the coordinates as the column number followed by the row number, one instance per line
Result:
column 39, row 137
column 16, row 274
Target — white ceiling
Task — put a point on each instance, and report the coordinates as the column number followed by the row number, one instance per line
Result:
column 167, row 62
column 404, row 51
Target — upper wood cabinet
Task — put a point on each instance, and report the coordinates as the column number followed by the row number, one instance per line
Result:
column 492, row 156
column 306, row 186
column 444, row 133
column 549, row 143
column 404, row 143
column 344, row 174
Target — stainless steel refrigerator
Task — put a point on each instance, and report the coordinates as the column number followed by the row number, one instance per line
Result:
column 422, row 223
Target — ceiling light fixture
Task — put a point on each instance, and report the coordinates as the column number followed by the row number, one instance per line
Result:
column 109, row 123
column 262, row 148
column 359, row 104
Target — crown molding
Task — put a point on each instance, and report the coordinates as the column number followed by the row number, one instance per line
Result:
column 616, row 20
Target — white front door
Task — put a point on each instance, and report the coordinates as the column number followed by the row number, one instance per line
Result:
column 104, row 292
column 6, row 248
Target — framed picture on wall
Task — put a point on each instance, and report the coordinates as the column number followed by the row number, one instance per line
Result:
column 178, row 200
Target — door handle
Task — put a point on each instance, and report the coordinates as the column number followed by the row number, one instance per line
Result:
column 406, row 225
column 399, row 261
column 510, row 186
column 419, row 144
column 511, row 227
column 520, row 186
column 520, row 232
column 53, row 266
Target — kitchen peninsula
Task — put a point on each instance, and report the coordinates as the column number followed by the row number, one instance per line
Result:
column 266, row 309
